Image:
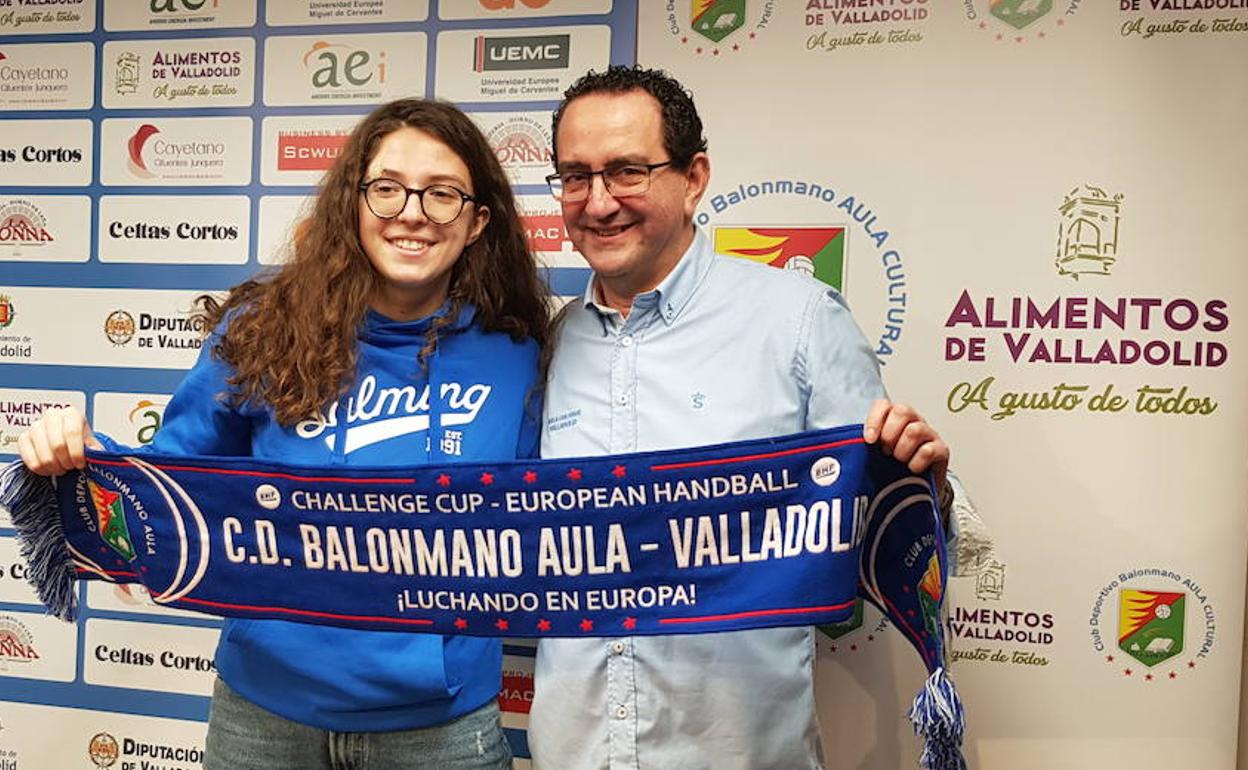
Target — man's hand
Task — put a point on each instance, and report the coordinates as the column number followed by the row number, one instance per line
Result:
column 57, row 442
column 902, row 433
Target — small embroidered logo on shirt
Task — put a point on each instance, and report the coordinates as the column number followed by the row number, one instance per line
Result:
column 698, row 399
column 560, row 421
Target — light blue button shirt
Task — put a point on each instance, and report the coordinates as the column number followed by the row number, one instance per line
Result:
column 723, row 350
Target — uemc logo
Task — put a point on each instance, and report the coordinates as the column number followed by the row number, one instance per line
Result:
column 528, row 52
column 335, row 65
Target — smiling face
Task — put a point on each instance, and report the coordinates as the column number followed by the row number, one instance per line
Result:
column 632, row 243
column 412, row 255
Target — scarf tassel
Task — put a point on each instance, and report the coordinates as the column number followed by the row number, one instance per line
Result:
column 31, row 501
column 937, row 716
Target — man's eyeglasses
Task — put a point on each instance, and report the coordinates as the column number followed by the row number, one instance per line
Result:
column 441, row 203
column 621, row 181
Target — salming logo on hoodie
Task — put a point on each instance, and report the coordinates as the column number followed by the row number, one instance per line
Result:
column 373, row 415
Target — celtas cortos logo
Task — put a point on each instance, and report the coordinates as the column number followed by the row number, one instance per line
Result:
column 816, row 251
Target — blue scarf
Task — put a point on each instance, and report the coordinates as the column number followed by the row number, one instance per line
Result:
column 752, row 534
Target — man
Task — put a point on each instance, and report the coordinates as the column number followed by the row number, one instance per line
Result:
column 673, row 346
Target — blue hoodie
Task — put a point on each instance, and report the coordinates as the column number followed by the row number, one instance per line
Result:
column 474, row 397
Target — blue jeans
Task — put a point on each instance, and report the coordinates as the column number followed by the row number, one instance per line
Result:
column 243, row 736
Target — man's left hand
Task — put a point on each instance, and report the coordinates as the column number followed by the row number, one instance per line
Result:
column 903, row 433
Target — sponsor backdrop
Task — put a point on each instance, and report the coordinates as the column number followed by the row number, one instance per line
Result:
column 154, row 150
column 1032, row 206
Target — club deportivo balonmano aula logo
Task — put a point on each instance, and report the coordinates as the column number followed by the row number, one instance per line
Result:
column 1165, row 625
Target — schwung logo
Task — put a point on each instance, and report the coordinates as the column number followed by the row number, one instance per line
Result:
column 373, row 414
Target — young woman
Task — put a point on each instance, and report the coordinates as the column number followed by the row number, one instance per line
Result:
column 404, row 329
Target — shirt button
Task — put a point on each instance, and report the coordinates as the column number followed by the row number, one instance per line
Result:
column 621, row 712
column 617, row 648
column 626, row 340
column 622, row 400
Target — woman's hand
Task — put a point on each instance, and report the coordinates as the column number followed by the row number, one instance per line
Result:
column 57, row 442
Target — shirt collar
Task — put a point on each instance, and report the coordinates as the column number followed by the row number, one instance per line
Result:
column 673, row 292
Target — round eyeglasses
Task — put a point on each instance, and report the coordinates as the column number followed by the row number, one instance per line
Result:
column 441, row 203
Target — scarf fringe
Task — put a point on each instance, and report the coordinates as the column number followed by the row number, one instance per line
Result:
column 31, row 501
column 937, row 716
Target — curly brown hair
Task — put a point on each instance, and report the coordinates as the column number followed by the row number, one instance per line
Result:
column 291, row 335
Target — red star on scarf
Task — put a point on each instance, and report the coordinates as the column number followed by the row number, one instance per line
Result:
column 529, row 477
column 619, row 472
column 1127, row 671
column 502, row 624
column 630, row 623
column 444, row 480
column 1109, row 658
column 1191, row 664
column 487, row 478
column 575, row 474
column 461, row 624
column 1173, row 675
column 587, row 625
column 543, row 625
column 1148, row 677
